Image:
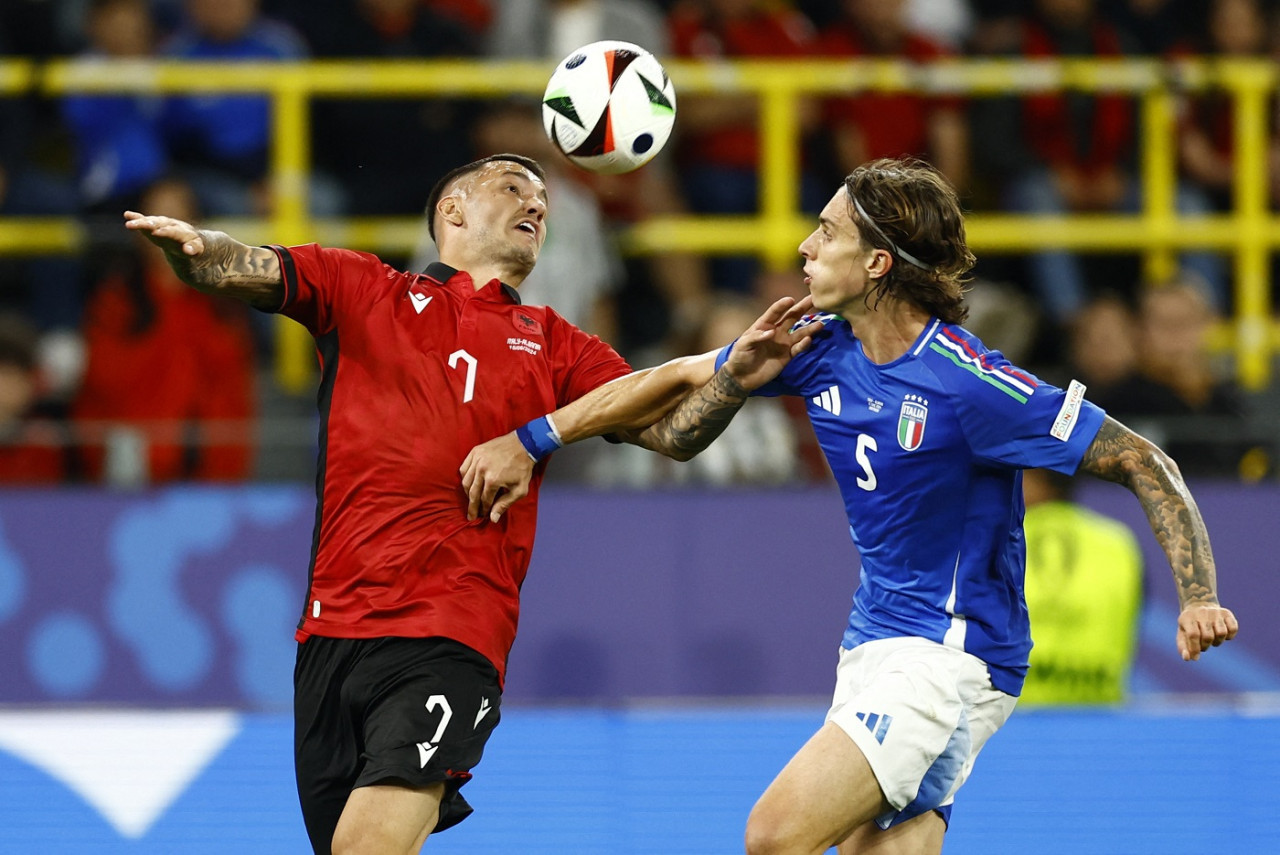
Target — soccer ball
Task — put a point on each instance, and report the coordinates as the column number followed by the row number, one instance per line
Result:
column 609, row 107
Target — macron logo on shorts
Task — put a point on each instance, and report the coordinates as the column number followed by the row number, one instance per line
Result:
column 484, row 711
column 876, row 723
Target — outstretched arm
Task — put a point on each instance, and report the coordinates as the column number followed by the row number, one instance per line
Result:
column 503, row 467
column 213, row 262
column 1120, row 455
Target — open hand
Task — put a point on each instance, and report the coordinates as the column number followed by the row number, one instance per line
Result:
column 167, row 233
column 760, row 353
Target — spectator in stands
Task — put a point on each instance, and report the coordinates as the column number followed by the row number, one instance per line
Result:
column 33, row 447
column 1175, row 396
column 579, row 269
column 1077, row 153
column 1102, row 352
column 946, row 22
column 35, row 181
column 1236, row 29
column 166, row 366
column 119, row 142
column 872, row 125
column 1158, row 28
column 476, row 15
column 664, row 295
column 719, row 145
column 221, row 142
column 547, row 29
column 1084, row 597
column 997, row 27
column 387, row 152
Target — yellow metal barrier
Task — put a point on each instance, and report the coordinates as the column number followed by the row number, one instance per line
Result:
column 1249, row 233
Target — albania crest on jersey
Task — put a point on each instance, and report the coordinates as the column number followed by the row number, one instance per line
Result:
column 911, row 419
column 526, row 324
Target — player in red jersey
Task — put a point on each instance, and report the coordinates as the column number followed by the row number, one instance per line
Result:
column 411, row 607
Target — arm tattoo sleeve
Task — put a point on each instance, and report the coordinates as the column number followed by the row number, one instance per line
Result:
column 230, row 268
column 696, row 421
column 1120, row 455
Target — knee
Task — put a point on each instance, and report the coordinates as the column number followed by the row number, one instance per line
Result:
column 770, row 833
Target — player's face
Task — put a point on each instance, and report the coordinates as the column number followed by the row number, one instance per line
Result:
column 506, row 207
column 837, row 263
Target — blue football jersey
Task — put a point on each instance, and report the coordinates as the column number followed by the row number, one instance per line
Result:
column 928, row 452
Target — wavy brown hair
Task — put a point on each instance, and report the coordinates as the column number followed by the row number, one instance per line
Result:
column 913, row 210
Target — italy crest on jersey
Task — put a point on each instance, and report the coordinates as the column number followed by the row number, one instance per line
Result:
column 911, row 419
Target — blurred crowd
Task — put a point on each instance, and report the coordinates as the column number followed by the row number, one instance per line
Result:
column 111, row 370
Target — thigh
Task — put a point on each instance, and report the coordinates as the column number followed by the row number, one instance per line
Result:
column 431, row 706
column 387, row 818
column 326, row 742
column 825, row 792
column 920, row 713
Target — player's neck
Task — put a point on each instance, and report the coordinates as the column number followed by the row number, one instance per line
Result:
column 484, row 272
column 889, row 330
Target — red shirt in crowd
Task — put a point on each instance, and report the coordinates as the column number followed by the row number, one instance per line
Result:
column 766, row 33
column 185, row 379
column 892, row 124
column 1055, row 131
column 416, row 370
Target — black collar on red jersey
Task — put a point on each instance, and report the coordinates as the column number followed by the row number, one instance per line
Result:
column 442, row 273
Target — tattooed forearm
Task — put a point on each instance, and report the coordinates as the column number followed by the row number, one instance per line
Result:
column 697, row 420
column 1120, row 455
column 230, row 268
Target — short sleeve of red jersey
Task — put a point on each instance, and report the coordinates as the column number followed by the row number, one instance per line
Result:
column 321, row 283
column 580, row 362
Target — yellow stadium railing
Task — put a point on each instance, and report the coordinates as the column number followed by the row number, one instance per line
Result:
column 1249, row 232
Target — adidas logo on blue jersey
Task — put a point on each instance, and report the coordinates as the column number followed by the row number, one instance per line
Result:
column 829, row 400
column 876, row 723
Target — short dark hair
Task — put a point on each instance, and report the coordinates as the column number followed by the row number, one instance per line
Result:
column 912, row 210
column 452, row 175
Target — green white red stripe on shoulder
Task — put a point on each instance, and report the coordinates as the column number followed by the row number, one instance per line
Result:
column 1006, row 378
column 813, row 318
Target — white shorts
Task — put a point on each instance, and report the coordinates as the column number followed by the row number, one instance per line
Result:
column 920, row 713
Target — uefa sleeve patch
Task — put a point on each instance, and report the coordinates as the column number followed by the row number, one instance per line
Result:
column 1069, row 413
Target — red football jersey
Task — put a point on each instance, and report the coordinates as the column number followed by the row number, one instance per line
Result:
column 416, row 370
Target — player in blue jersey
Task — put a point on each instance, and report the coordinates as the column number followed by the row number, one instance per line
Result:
column 927, row 432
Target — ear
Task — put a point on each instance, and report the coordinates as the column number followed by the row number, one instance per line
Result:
column 450, row 210
column 880, row 263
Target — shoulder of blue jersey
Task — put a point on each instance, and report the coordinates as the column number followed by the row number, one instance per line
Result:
column 969, row 355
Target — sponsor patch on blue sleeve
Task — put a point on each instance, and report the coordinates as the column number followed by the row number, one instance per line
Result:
column 1069, row 413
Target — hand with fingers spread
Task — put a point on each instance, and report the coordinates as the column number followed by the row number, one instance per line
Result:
column 761, row 352
column 1204, row 625
column 496, row 475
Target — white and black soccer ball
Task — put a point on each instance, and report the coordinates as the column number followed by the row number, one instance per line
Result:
column 609, row 107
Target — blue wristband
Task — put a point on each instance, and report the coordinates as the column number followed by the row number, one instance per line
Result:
column 539, row 437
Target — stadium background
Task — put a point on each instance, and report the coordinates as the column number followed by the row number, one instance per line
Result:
column 668, row 663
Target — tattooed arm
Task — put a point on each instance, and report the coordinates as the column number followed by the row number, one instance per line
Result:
column 1120, row 455
column 213, row 262
column 697, row 420
column 628, row 406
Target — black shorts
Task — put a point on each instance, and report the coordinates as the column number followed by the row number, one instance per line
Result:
column 413, row 711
